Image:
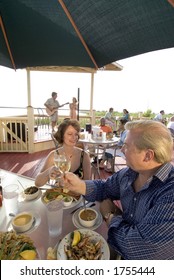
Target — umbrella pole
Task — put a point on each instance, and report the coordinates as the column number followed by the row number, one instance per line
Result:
column 78, row 99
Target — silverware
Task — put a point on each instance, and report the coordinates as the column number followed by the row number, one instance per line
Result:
column 90, row 205
column 21, row 184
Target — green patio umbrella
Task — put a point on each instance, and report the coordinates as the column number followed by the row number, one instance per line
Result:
column 86, row 33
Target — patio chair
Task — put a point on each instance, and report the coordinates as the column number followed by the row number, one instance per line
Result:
column 96, row 152
column 57, row 145
column 118, row 161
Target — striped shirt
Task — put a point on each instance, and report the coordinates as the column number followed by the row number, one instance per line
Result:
column 146, row 228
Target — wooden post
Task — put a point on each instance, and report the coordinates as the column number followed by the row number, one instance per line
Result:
column 78, row 100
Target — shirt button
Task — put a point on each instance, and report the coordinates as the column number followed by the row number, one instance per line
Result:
column 131, row 215
column 135, row 199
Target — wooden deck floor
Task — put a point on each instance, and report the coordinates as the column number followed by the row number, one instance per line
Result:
column 28, row 164
column 23, row 163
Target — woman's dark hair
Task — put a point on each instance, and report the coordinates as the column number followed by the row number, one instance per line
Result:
column 59, row 135
column 123, row 121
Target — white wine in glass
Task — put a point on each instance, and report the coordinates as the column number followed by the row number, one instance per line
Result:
column 62, row 162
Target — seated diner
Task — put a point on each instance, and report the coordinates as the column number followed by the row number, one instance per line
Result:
column 67, row 136
column 144, row 230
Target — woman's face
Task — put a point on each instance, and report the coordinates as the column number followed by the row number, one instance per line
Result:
column 71, row 136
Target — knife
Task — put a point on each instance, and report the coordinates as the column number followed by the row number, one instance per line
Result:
column 90, row 205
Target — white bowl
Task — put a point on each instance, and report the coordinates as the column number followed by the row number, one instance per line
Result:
column 67, row 201
column 31, row 193
column 88, row 217
column 22, row 221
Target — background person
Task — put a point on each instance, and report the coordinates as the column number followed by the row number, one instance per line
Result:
column 110, row 152
column 52, row 106
column 110, row 120
column 104, row 127
column 159, row 117
column 67, row 136
column 126, row 115
column 73, row 108
column 170, row 126
column 145, row 229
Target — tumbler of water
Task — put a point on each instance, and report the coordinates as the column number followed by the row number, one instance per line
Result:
column 11, row 193
column 54, row 211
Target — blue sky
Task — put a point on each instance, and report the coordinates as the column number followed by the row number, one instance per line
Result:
column 146, row 82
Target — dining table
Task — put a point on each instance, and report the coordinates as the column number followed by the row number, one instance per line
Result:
column 96, row 147
column 39, row 232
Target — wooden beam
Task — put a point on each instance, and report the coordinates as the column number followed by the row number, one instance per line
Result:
column 7, row 43
column 78, row 32
column 171, row 2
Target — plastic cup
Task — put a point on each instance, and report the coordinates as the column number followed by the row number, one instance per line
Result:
column 10, row 195
column 103, row 136
column 54, row 211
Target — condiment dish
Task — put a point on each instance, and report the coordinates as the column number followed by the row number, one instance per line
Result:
column 67, row 201
column 31, row 193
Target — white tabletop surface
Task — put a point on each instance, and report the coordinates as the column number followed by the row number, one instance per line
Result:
column 99, row 141
column 39, row 234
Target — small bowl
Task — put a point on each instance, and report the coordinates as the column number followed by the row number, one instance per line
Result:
column 22, row 222
column 88, row 217
column 67, row 201
column 31, row 193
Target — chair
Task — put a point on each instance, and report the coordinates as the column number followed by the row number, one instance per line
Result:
column 57, row 145
column 118, row 160
column 96, row 152
column 171, row 131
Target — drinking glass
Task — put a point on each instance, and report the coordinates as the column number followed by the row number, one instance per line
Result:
column 54, row 211
column 62, row 162
column 10, row 194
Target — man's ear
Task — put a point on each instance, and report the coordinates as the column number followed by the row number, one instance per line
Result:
column 149, row 155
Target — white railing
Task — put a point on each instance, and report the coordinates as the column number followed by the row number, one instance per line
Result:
column 31, row 132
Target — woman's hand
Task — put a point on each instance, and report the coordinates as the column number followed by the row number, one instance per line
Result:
column 73, row 183
column 54, row 173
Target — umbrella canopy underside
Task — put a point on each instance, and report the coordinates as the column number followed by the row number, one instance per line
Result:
column 84, row 33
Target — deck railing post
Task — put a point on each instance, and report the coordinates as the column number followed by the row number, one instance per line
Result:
column 30, row 114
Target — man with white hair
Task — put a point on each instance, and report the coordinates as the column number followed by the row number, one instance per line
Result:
column 144, row 230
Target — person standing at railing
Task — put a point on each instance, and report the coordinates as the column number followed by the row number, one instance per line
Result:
column 73, row 108
column 52, row 106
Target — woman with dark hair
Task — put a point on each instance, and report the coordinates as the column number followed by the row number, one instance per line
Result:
column 126, row 115
column 67, row 137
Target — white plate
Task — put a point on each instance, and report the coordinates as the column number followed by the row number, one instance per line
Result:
column 22, row 197
column 73, row 204
column 94, row 236
column 77, row 224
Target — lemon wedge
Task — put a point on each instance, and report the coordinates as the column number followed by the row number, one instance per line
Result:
column 28, row 255
column 76, row 238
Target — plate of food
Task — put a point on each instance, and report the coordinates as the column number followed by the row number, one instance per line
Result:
column 77, row 224
column 17, row 247
column 83, row 244
column 69, row 198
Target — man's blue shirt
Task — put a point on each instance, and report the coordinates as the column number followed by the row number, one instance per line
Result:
column 146, row 228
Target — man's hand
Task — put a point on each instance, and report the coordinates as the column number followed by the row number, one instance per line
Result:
column 73, row 183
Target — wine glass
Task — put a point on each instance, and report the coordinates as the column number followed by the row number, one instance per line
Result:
column 62, row 162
